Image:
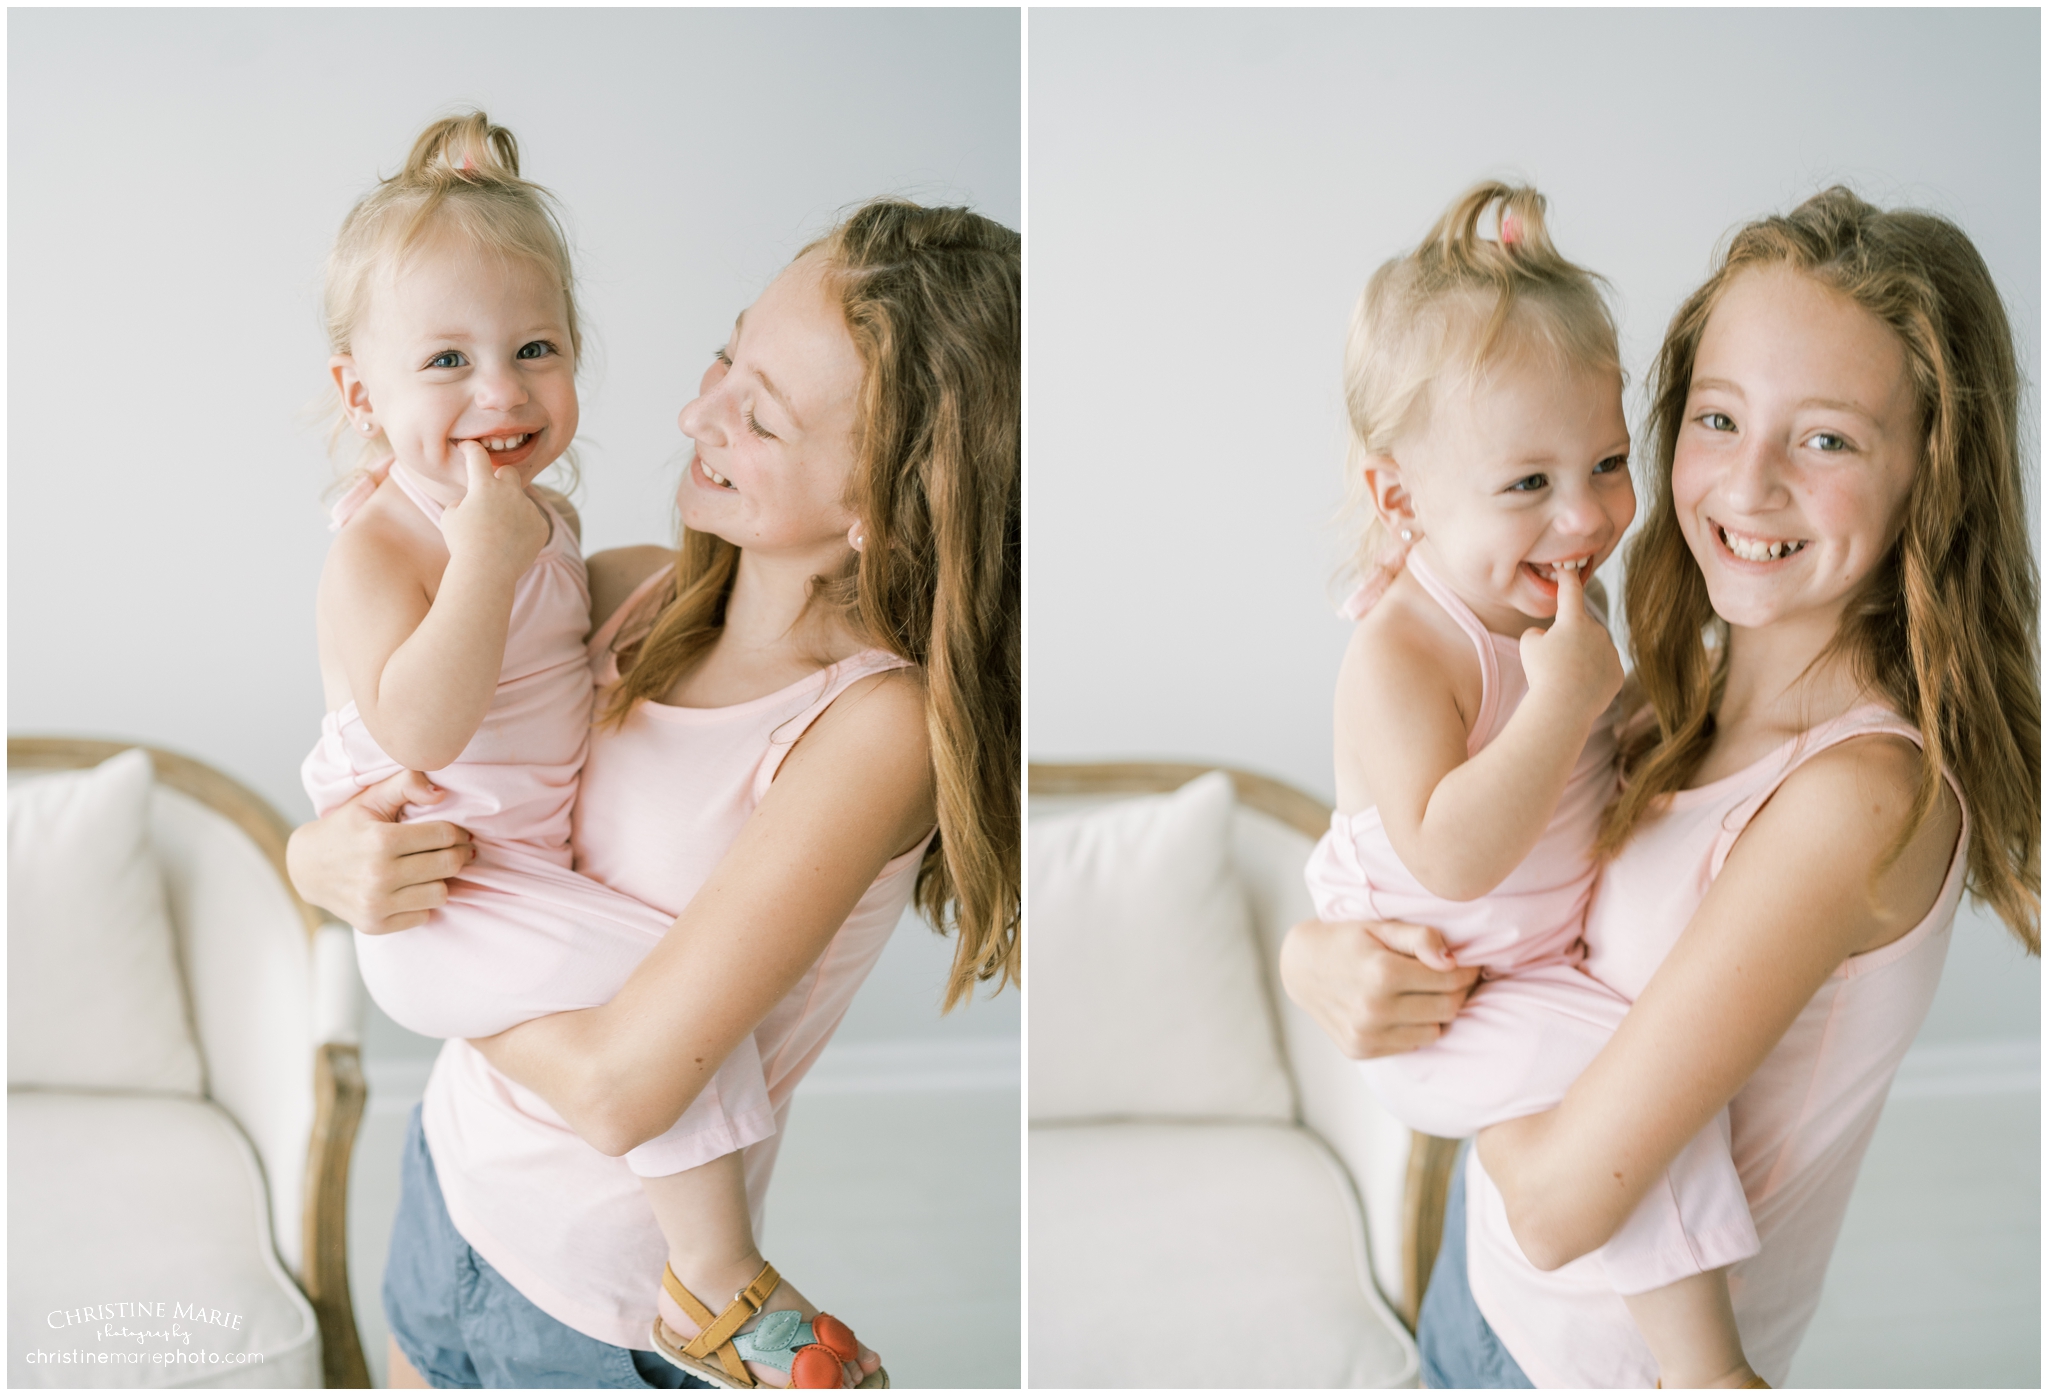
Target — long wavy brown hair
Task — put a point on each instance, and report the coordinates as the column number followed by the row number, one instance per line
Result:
column 932, row 298
column 1945, row 627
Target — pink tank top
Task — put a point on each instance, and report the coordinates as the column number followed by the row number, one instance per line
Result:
column 662, row 799
column 1800, row 1124
column 516, row 780
column 1537, row 911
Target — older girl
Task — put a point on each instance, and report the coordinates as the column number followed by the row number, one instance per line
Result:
column 809, row 718
column 1835, row 635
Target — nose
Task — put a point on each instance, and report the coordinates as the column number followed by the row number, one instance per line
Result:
column 702, row 418
column 1578, row 515
column 1755, row 480
column 499, row 389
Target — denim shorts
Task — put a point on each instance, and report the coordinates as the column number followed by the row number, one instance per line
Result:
column 462, row 1324
column 1459, row 1348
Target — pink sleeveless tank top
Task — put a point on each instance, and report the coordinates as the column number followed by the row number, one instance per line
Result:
column 1800, row 1124
column 663, row 798
column 1537, row 911
column 516, row 780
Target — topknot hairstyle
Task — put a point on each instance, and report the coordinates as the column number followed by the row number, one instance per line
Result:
column 462, row 178
column 1452, row 308
column 1945, row 628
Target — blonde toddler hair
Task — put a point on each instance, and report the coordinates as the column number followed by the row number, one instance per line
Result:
column 461, row 177
column 1449, row 311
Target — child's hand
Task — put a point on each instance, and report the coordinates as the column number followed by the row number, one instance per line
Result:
column 495, row 523
column 1575, row 660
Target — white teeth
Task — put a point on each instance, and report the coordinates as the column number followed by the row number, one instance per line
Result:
column 1758, row 549
column 1565, row 565
column 503, row 443
column 714, row 476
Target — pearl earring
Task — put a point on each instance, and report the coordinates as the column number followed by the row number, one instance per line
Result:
column 855, row 538
column 1407, row 535
column 368, row 428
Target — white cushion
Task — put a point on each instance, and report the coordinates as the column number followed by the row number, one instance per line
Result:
column 94, row 997
column 1147, row 997
column 1183, row 1255
column 144, row 1201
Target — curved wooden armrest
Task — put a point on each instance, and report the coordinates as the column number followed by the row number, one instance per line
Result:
column 1430, row 1161
column 339, row 1098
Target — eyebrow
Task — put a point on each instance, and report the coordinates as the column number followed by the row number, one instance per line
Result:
column 739, row 322
column 1723, row 385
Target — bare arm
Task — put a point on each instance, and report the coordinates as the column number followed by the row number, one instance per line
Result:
column 854, row 793
column 422, row 669
column 1794, row 899
column 1459, row 824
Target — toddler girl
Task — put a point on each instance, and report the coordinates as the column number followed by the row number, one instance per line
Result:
column 452, row 615
column 1474, row 715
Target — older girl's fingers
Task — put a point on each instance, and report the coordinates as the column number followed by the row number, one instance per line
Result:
column 427, row 836
column 436, row 865
column 1410, row 1009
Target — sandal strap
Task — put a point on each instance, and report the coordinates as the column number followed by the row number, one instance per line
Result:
column 714, row 1334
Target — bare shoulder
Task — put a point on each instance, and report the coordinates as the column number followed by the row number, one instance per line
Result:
column 868, row 755
column 559, row 502
column 384, row 547
column 1405, row 647
column 1837, row 816
column 886, row 709
column 615, row 572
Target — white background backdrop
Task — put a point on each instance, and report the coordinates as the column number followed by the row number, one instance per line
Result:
column 1210, row 191
column 175, row 178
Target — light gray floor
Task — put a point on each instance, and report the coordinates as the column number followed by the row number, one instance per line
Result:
column 1936, row 1281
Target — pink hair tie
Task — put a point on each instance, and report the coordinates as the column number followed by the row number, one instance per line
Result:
column 1510, row 230
column 467, row 164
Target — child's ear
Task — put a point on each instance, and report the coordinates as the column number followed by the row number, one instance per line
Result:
column 355, row 396
column 1390, row 498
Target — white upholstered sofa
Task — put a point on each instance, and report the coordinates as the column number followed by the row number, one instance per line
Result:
column 1215, row 1200
column 183, row 1084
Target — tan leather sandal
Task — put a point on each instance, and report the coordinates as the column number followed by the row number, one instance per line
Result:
column 811, row 1351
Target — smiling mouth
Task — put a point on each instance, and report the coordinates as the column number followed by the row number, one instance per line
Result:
column 1753, row 549
column 713, row 476
column 1551, row 571
column 497, row 445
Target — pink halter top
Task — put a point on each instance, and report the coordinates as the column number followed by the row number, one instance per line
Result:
column 1537, row 912
column 516, row 780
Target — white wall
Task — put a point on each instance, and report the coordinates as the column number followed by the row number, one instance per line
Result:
column 1210, row 191
column 175, row 178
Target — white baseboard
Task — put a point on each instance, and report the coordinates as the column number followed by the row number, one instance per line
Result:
column 1970, row 1068
column 852, row 1068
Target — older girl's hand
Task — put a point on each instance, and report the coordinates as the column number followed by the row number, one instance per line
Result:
column 1376, row 987
column 363, row 866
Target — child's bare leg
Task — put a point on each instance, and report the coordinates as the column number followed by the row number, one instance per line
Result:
column 1690, row 1327
column 710, row 1234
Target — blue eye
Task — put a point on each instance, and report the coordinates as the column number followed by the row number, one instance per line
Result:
column 536, row 349
column 1529, row 484
column 447, row 358
column 1841, row 442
